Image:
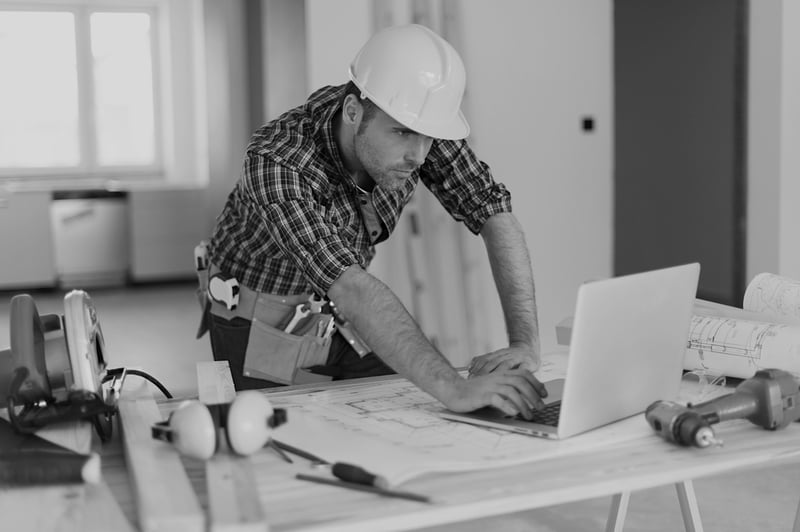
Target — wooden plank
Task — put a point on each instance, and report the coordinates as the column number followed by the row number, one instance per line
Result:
column 62, row 508
column 233, row 496
column 214, row 382
column 103, row 512
column 233, row 500
column 59, row 507
column 164, row 494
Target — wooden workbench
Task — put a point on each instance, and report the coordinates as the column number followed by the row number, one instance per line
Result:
column 613, row 470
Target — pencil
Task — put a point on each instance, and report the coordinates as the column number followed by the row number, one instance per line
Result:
column 363, row 487
column 299, row 452
column 277, row 448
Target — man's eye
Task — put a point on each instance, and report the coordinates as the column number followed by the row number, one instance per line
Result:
column 402, row 133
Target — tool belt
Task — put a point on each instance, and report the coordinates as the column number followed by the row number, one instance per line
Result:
column 287, row 333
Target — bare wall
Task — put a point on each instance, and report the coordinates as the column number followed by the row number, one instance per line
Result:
column 536, row 70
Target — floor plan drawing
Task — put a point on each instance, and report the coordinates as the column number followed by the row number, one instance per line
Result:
column 731, row 337
column 738, row 348
column 394, row 429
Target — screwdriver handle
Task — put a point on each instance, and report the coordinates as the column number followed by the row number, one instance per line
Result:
column 357, row 475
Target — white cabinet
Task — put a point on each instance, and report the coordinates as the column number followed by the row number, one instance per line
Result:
column 26, row 242
column 90, row 237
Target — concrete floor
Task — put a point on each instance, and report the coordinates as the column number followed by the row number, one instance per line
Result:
column 143, row 325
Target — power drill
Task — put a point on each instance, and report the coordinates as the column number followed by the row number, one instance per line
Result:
column 769, row 399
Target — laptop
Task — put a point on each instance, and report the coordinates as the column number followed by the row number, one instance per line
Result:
column 626, row 350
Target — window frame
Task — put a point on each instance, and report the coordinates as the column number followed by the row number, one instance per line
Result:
column 88, row 168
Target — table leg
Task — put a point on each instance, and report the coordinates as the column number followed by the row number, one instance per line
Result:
column 689, row 509
column 617, row 512
column 796, row 527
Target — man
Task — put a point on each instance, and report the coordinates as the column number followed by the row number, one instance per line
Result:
column 321, row 186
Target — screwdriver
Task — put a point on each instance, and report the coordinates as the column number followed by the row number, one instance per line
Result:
column 357, row 478
column 358, row 475
column 351, row 476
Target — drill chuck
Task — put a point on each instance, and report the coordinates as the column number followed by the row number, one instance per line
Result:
column 678, row 424
column 705, row 437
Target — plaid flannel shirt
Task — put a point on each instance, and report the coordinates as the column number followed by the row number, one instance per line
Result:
column 293, row 223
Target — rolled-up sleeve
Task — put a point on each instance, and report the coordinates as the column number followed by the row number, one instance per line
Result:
column 463, row 184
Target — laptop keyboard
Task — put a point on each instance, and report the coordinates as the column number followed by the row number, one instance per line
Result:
column 547, row 416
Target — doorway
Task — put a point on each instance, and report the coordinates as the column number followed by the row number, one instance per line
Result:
column 680, row 140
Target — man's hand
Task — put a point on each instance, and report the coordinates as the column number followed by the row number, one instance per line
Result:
column 512, row 357
column 512, row 391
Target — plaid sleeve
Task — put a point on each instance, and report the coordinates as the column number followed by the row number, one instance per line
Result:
column 463, row 184
column 292, row 209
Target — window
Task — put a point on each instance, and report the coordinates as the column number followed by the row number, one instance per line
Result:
column 123, row 88
column 79, row 95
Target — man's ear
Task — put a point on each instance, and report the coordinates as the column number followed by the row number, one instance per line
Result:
column 351, row 109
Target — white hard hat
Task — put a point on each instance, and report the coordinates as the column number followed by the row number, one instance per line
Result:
column 415, row 77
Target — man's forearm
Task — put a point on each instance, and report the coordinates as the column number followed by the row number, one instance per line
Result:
column 511, row 269
column 387, row 327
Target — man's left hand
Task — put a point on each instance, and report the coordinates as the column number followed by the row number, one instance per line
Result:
column 512, row 357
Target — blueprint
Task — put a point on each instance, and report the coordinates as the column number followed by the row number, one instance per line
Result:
column 738, row 348
column 777, row 298
column 392, row 428
column 765, row 333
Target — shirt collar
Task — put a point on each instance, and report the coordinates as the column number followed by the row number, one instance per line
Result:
column 329, row 135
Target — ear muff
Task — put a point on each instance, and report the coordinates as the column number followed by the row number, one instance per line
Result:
column 247, row 421
column 248, row 424
column 191, row 429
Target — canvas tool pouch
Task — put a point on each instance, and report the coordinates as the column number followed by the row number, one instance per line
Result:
column 272, row 353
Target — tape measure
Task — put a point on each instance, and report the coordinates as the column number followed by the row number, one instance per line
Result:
column 224, row 290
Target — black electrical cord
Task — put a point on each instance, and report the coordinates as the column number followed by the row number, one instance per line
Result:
column 110, row 374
